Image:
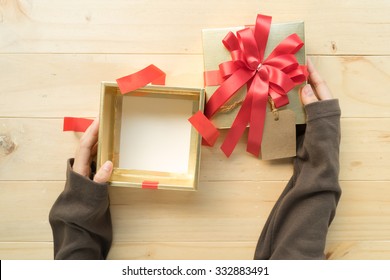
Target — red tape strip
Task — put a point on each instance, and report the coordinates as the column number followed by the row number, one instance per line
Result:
column 150, row 74
column 76, row 124
column 205, row 128
column 150, row 185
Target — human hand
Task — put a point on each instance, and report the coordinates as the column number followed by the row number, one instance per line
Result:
column 321, row 90
column 86, row 151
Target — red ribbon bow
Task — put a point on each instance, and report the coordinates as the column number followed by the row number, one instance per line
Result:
column 273, row 77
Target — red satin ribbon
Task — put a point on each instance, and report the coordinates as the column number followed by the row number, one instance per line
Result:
column 76, row 124
column 150, row 74
column 273, row 77
column 212, row 78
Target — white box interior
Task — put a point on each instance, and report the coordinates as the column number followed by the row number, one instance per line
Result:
column 155, row 134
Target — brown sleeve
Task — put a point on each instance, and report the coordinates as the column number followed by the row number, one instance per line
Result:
column 80, row 219
column 298, row 224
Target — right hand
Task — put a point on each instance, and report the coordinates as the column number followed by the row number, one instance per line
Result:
column 321, row 90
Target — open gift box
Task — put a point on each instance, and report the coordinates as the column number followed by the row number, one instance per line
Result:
column 147, row 136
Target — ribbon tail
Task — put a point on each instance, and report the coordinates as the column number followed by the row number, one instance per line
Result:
column 278, row 99
column 238, row 126
column 258, row 113
column 205, row 128
column 226, row 91
column 212, row 78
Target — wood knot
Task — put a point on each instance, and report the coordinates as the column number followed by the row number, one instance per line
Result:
column 334, row 46
column 7, row 146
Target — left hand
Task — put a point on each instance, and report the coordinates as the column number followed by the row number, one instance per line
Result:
column 86, row 151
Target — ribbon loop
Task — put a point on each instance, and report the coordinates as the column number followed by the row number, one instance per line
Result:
column 249, row 48
column 261, row 33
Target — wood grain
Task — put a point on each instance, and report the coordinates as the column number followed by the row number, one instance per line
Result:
column 360, row 82
column 194, row 251
column 363, row 156
column 58, row 85
column 218, row 212
column 69, row 84
column 53, row 56
column 40, row 26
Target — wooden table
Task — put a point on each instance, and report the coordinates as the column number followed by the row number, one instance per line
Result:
column 53, row 56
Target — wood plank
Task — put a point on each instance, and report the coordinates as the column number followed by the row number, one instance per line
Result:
column 141, row 212
column 26, row 250
column 57, row 85
column 345, row 250
column 63, row 85
column 35, row 148
column 365, row 153
column 369, row 250
column 240, row 216
column 218, row 212
column 365, row 146
column 182, row 251
column 27, row 205
column 357, row 250
column 139, row 250
column 360, row 82
column 361, row 207
column 44, row 26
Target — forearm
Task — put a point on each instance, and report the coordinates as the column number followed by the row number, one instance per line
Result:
column 297, row 226
column 80, row 219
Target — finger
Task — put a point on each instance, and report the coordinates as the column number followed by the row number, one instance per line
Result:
column 83, row 154
column 82, row 161
column 317, row 82
column 307, row 95
column 94, row 150
column 90, row 136
column 104, row 173
column 89, row 140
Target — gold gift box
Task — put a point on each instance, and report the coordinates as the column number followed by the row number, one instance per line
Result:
column 214, row 53
column 164, row 111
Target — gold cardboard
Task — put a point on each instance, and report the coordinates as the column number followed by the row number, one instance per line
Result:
column 109, row 131
column 214, row 53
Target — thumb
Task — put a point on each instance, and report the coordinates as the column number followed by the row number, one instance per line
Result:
column 307, row 95
column 104, row 173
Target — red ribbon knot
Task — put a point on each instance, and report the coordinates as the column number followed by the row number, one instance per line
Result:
column 272, row 77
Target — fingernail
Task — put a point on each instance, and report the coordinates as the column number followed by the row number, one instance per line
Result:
column 307, row 90
column 107, row 166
